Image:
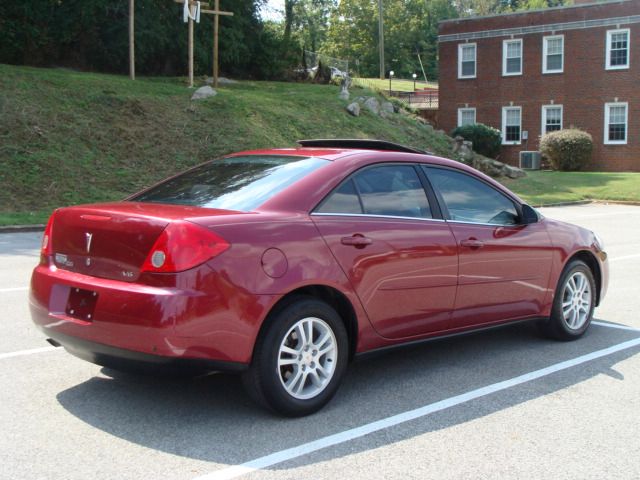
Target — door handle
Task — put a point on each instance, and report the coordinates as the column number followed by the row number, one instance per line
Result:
column 472, row 243
column 357, row 241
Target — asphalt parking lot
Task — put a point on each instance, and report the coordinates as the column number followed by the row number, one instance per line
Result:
column 499, row 404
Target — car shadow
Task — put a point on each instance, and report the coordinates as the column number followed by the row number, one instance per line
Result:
column 212, row 419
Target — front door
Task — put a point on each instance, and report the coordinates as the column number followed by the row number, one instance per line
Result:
column 504, row 265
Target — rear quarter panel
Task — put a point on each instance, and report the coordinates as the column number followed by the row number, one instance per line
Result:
column 272, row 255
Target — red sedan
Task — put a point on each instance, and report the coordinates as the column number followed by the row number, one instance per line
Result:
column 284, row 264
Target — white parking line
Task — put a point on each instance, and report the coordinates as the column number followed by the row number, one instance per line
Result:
column 625, row 257
column 615, row 325
column 15, row 289
column 347, row 435
column 31, row 351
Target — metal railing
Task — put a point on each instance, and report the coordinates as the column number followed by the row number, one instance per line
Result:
column 421, row 99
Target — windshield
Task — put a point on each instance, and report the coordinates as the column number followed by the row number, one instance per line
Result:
column 237, row 183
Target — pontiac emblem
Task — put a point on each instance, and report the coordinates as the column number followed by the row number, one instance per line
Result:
column 88, row 236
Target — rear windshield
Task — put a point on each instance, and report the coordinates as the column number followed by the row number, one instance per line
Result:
column 237, row 183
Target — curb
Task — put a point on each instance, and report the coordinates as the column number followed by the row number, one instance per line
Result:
column 618, row 202
column 22, row 228
column 585, row 202
column 563, row 204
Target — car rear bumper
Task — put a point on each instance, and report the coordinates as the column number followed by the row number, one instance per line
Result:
column 133, row 322
column 132, row 361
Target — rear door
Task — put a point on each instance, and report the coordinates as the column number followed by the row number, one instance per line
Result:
column 504, row 265
column 399, row 256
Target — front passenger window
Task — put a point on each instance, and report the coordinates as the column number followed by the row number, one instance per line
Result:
column 470, row 200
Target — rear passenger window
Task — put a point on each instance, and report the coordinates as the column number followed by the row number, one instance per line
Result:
column 387, row 190
column 343, row 200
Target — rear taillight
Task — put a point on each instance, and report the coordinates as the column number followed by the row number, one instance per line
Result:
column 181, row 246
column 46, row 249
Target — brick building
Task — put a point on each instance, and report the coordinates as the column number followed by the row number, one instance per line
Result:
column 538, row 71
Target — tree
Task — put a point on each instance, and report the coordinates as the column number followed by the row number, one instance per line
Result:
column 411, row 29
column 93, row 35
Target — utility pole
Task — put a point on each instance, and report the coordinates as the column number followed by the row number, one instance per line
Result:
column 132, row 47
column 215, row 44
column 192, row 13
column 381, row 36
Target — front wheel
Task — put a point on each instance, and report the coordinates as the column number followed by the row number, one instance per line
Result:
column 573, row 304
column 299, row 359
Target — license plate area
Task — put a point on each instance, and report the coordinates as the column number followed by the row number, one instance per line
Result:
column 81, row 304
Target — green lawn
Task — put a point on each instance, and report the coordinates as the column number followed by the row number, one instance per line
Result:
column 396, row 84
column 544, row 188
column 68, row 137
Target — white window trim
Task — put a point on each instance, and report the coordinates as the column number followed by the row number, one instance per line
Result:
column 606, row 123
column 504, row 126
column 543, row 123
column 475, row 60
column 504, row 57
column 545, row 43
column 607, row 64
column 466, row 109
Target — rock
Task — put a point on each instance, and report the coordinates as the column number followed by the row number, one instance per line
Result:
column 466, row 153
column 221, row 81
column 372, row 105
column 387, row 107
column 361, row 99
column 494, row 168
column 354, row 109
column 203, row 92
column 463, row 149
column 344, row 88
column 226, row 81
column 513, row 172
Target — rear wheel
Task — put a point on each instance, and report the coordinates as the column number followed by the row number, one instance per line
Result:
column 299, row 359
column 573, row 304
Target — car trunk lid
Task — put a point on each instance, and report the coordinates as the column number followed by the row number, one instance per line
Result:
column 113, row 240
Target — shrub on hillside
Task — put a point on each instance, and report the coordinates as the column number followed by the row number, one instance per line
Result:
column 568, row 149
column 486, row 140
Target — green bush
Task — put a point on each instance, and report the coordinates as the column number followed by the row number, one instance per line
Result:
column 486, row 140
column 567, row 150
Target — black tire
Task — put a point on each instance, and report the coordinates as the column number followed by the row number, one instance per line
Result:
column 265, row 380
column 563, row 326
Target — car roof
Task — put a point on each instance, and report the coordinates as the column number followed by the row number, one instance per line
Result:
column 341, row 154
column 325, row 153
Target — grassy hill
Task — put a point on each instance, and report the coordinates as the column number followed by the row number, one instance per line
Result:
column 69, row 137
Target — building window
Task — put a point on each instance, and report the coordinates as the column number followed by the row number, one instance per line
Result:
column 617, row 49
column 511, row 125
column 467, row 60
column 615, row 123
column 553, row 54
column 466, row 116
column 551, row 118
column 512, row 57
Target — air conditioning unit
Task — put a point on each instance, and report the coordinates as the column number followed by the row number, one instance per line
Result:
column 530, row 160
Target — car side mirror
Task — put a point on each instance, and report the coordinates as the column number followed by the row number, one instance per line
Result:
column 529, row 215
